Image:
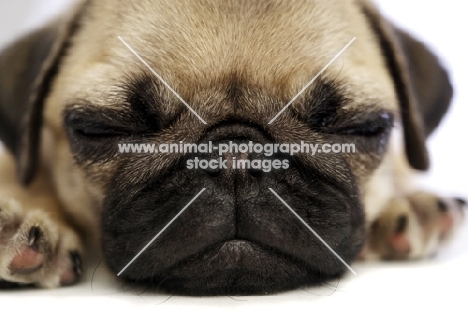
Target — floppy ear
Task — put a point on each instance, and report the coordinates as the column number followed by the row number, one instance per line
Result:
column 27, row 70
column 422, row 85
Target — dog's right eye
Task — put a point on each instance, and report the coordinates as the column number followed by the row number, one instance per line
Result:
column 99, row 132
column 88, row 127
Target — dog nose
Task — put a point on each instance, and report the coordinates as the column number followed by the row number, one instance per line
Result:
column 232, row 153
column 231, row 161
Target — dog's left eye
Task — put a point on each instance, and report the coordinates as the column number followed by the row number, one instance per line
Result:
column 368, row 126
column 371, row 127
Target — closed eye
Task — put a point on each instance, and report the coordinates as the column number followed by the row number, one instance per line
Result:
column 370, row 127
column 97, row 132
column 97, row 125
column 356, row 124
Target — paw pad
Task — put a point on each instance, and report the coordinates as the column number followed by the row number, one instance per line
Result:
column 27, row 261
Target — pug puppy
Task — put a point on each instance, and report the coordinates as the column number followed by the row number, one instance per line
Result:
column 71, row 91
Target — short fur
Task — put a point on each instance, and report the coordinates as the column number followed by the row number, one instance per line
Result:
column 66, row 101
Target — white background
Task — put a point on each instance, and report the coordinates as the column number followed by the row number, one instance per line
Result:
column 429, row 285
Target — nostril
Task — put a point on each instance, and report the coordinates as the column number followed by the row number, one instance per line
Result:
column 255, row 173
column 213, row 172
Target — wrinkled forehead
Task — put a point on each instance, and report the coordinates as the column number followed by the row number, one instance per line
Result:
column 196, row 45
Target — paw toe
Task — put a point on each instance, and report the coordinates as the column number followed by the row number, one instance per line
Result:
column 74, row 269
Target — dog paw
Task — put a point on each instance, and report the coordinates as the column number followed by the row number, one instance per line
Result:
column 36, row 249
column 414, row 227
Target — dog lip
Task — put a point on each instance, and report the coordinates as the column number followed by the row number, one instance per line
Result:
column 235, row 251
column 237, row 245
column 235, row 266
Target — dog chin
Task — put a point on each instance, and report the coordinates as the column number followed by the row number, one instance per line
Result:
column 238, row 267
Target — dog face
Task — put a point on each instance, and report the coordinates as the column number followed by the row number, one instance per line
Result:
column 237, row 64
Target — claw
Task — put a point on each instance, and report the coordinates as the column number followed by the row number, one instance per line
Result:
column 34, row 235
column 77, row 263
column 401, row 224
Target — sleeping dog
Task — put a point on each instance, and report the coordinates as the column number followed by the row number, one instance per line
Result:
column 161, row 71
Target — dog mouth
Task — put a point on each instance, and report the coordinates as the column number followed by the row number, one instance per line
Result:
column 237, row 267
column 210, row 251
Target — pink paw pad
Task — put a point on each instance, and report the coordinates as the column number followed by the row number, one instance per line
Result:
column 30, row 258
column 27, row 261
column 399, row 240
